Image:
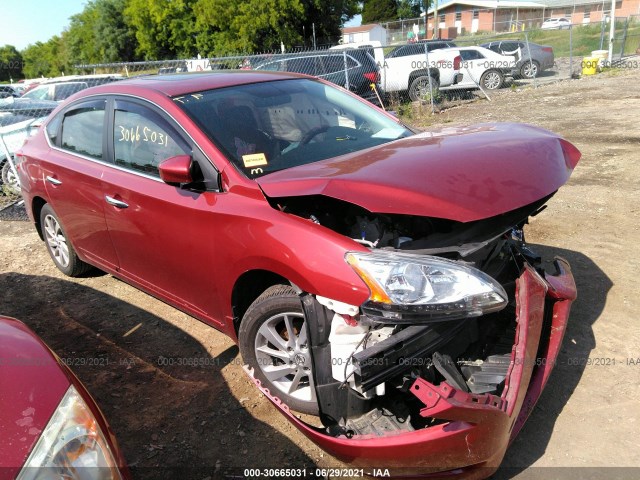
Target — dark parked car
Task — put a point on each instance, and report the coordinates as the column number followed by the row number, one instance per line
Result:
column 417, row 48
column 531, row 58
column 353, row 69
column 371, row 275
column 8, row 91
column 50, row 427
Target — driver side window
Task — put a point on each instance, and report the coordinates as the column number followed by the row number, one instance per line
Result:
column 141, row 140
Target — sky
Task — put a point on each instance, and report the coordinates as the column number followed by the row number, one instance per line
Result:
column 23, row 22
column 354, row 22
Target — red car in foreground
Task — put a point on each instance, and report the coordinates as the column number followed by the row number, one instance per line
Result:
column 50, row 427
column 373, row 276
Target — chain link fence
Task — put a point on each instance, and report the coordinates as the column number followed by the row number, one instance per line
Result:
column 428, row 75
column 22, row 111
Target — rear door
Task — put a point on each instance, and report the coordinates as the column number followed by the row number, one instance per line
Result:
column 72, row 172
column 474, row 64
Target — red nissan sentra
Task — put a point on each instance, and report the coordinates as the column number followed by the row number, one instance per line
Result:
column 50, row 427
column 372, row 275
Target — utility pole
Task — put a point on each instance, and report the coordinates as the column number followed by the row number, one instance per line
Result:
column 612, row 30
column 313, row 26
column 436, row 21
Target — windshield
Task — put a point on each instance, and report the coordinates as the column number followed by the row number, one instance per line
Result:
column 39, row 93
column 271, row 126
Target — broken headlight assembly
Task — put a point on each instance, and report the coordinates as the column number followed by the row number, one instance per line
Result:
column 407, row 288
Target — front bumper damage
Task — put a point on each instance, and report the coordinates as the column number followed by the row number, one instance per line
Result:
column 471, row 432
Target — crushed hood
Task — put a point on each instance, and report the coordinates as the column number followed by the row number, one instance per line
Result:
column 463, row 174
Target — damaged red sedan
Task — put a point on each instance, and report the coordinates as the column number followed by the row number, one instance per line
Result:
column 372, row 275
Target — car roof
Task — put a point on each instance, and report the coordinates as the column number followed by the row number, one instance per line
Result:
column 183, row 83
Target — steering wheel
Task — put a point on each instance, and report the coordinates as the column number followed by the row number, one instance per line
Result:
column 312, row 133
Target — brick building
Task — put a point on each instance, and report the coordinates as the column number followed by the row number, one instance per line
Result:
column 470, row 16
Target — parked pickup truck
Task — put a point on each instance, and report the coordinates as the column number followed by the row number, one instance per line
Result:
column 409, row 73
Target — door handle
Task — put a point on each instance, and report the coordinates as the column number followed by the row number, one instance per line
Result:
column 54, row 181
column 114, row 202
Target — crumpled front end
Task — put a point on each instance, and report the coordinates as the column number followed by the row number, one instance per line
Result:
column 436, row 372
column 418, row 405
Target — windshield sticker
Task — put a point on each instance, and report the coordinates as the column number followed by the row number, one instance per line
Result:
column 388, row 133
column 346, row 122
column 254, row 160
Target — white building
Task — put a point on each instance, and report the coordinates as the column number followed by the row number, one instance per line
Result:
column 365, row 33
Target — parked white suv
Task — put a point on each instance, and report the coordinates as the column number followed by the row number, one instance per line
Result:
column 410, row 68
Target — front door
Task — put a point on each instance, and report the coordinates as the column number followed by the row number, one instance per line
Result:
column 164, row 235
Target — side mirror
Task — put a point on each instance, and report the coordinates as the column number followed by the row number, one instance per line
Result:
column 176, row 170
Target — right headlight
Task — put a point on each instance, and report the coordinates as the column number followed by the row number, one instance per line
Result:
column 425, row 287
column 71, row 446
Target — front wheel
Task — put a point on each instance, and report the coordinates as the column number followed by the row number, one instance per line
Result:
column 62, row 252
column 420, row 89
column 273, row 341
column 491, row 80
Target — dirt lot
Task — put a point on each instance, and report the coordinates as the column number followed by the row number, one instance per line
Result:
column 210, row 417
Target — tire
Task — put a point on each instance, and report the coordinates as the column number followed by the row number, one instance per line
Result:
column 530, row 69
column 60, row 249
column 491, row 80
column 419, row 88
column 273, row 341
column 10, row 181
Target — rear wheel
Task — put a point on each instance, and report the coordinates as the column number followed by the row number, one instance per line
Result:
column 420, row 90
column 62, row 252
column 273, row 341
column 491, row 80
column 530, row 69
column 10, row 182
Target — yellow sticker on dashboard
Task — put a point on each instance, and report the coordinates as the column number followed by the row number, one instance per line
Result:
column 254, row 160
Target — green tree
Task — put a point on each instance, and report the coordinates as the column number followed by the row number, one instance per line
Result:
column 164, row 29
column 47, row 59
column 10, row 63
column 249, row 26
column 375, row 11
column 409, row 8
column 80, row 37
column 328, row 16
column 115, row 39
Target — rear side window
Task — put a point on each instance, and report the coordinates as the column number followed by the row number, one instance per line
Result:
column 509, row 47
column 142, row 139
column 471, row 55
column 65, row 90
column 82, row 129
column 335, row 63
column 306, row 65
column 271, row 66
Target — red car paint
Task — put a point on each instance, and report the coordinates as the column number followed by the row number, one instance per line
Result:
column 479, row 428
column 191, row 249
column 454, row 173
column 33, row 381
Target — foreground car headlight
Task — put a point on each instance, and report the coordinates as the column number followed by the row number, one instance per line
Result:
column 431, row 287
column 71, row 446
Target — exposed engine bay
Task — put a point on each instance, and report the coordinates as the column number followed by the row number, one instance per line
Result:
column 365, row 360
